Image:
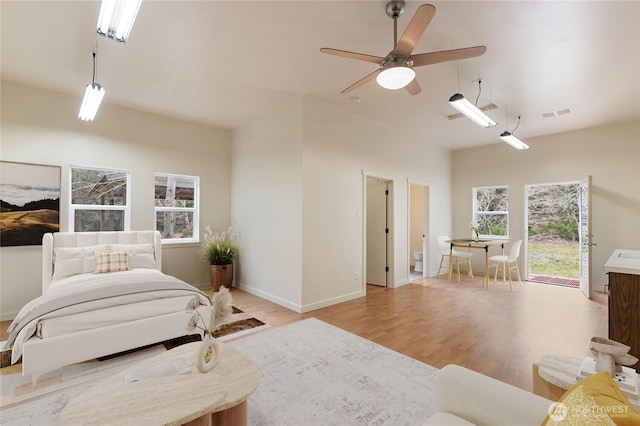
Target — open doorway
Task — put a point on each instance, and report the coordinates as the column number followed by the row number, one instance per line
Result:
column 553, row 234
column 418, row 238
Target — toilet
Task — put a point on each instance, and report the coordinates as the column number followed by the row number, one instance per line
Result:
column 418, row 258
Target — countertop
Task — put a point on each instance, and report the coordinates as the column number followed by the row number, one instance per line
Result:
column 623, row 261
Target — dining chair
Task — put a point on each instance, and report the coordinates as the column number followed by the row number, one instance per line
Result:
column 509, row 262
column 446, row 253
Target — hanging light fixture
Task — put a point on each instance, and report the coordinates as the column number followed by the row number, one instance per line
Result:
column 396, row 77
column 117, row 17
column 93, row 95
column 509, row 138
column 471, row 111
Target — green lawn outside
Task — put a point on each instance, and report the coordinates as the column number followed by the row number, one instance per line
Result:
column 553, row 258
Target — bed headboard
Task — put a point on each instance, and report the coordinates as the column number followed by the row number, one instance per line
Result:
column 85, row 239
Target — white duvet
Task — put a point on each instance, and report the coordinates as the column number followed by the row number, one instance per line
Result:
column 99, row 300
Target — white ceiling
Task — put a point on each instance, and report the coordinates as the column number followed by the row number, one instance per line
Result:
column 226, row 62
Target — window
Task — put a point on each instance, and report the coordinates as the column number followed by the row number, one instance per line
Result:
column 176, row 207
column 99, row 199
column 491, row 210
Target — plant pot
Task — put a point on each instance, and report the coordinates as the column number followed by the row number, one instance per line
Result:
column 221, row 276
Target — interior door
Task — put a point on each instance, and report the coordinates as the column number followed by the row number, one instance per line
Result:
column 377, row 231
column 586, row 237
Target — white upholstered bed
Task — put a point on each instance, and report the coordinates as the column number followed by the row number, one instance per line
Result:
column 98, row 301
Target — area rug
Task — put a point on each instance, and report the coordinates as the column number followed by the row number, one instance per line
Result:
column 313, row 373
column 238, row 325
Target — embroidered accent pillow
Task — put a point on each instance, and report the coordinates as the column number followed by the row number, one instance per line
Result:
column 112, row 261
column 595, row 400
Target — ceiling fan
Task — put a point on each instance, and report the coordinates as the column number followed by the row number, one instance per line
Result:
column 396, row 69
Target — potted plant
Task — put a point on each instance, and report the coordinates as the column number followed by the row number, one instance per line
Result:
column 219, row 250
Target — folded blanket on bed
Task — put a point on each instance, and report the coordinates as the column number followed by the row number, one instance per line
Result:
column 88, row 292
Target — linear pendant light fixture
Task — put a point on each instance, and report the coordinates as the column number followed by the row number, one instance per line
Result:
column 93, row 95
column 471, row 111
column 513, row 141
column 509, row 138
column 117, row 17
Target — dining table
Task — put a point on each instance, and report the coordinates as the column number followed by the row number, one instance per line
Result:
column 473, row 243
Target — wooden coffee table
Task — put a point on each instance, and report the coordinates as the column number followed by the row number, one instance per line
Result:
column 214, row 398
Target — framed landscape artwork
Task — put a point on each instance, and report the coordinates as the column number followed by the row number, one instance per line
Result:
column 29, row 202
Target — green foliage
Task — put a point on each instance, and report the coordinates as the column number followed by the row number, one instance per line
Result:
column 220, row 248
column 567, row 230
column 554, row 211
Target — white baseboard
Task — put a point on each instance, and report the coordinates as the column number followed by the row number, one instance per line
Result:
column 271, row 298
column 401, row 283
column 299, row 308
column 333, row 301
column 8, row 316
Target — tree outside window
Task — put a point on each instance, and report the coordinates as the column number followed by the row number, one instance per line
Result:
column 176, row 207
column 491, row 210
column 99, row 200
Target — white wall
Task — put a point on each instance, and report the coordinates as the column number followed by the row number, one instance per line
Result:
column 298, row 193
column 610, row 154
column 267, row 204
column 40, row 126
column 338, row 147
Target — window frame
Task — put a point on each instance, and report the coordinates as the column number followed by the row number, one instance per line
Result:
column 195, row 238
column 476, row 214
column 126, row 208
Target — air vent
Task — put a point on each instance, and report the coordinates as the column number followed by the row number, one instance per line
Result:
column 556, row 113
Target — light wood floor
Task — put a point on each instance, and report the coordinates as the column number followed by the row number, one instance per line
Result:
column 495, row 332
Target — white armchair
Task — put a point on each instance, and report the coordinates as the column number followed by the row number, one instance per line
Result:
column 465, row 397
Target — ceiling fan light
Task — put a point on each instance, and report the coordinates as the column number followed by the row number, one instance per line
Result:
column 117, row 17
column 472, row 112
column 513, row 141
column 397, row 77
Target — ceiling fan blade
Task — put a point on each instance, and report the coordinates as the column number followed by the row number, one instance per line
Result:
column 361, row 81
column 352, row 55
column 447, row 55
column 414, row 30
column 413, row 88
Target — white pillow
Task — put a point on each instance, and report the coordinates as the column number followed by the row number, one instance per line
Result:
column 67, row 262
column 78, row 260
column 63, row 253
column 89, row 257
column 140, row 255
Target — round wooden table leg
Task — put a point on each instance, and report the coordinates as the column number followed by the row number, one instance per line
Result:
column 236, row 416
